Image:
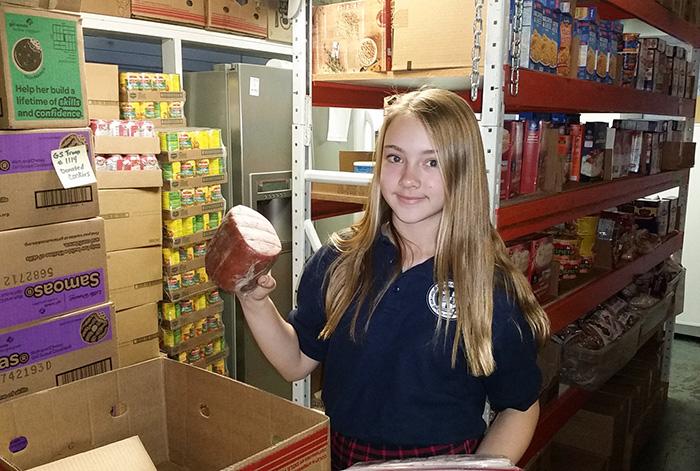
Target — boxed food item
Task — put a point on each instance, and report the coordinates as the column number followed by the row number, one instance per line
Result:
column 239, row 17
column 31, row 192
column 50, row 270
column 593, row 152
column 415, row 44
column 43, row 82
column 576, row 133
column 650, row 75
column 586, row 34
column 614, row 238
column 350, row 37
column 540, row 37
column 133, row 217
column 519, row 253
column 672, row 213
column 630, row 59
column 533, row 155
column 512, row 158
column 56, row 351
column 652, row 214
column 102, row 81
column 137, row 334
column 566, row 37
column 190, row 12
column 542, row 255
column 172, row 408
column 134, row 276
column 677, row 155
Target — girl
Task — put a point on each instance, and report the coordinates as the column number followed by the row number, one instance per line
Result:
column 416, row 311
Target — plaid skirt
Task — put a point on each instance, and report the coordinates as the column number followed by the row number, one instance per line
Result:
column 347, row 451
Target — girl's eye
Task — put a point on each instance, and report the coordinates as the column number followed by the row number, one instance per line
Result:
column 432, row 163
column 393, row 158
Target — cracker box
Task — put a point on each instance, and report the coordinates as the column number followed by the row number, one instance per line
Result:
column 30, row 191
column 512, row 158
column 56, row 351
column 50, row 270
column 43, row 82
column 349, row 37
column 540, row 37
column 586, row 34
column 187, row 418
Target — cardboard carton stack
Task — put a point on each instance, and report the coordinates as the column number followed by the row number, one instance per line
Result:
column 193, row 162
column 129, row 181
column 56, row 322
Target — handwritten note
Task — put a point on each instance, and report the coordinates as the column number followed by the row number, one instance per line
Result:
column 72, row 166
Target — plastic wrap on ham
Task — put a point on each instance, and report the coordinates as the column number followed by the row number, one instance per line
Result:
column 244, row 247
column 440, row 463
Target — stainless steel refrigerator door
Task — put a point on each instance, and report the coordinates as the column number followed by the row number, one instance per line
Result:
column 253, row 107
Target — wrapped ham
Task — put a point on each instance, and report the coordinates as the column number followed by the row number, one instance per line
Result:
column 244, row 247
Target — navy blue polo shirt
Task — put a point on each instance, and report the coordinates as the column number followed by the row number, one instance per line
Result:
column 395, row 384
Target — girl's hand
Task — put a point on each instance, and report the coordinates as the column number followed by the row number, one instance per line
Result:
column 265, row 284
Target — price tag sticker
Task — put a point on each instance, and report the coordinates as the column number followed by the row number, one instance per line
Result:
column 72, row 165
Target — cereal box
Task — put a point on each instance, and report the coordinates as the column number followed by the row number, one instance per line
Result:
column 604, row 38
column 540, row 37
column 566, row 36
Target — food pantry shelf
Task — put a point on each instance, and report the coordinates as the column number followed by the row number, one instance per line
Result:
column 651, row 13
column 540, row 91
column 519, row 217
column 575, row 303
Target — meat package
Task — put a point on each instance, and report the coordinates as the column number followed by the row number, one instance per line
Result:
column 244, row 247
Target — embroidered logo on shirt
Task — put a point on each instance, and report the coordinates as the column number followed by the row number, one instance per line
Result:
column 443, row 306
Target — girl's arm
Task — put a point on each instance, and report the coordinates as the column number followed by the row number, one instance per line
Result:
column 276, row 338
column 510, row 434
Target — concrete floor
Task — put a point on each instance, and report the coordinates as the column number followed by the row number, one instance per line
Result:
column 675, row 446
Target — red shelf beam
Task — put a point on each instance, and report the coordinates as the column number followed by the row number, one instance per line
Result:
column 552, row 418
column 574, row 304
column 540, row 91
column 651, row 13
column 519, row 218
column 321, row 209
column 332, row 94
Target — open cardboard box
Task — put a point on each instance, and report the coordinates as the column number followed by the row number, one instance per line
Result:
column 186, row 417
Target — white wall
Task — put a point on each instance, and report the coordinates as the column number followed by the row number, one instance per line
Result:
column 689, row 321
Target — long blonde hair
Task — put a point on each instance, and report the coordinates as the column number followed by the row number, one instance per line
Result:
column 469, row 251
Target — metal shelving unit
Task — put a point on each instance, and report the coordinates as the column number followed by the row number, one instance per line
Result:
column 537, row 91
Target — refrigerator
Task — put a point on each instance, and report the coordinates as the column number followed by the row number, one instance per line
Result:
column 252, row 105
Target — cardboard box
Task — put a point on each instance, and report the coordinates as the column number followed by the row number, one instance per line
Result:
column 133, row 218
column 51, row 270
column 43, row 82
column 102, row 81
column 575, row 459
column 65, row 5
column 239, row 17
column 599, row 428
column 56, row 351
column 279, row 25
column 677, row 155
column 188, row 12
column 349, row 37
column 124, row 454
column 137, row 334
column 349, row 193
column 126, row 179
column 185, row 416
column 30, row 191
column 135, row 277
column 112, row 8
column 126, row 145
column 415, row 42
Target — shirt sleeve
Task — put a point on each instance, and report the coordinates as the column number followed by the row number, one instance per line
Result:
column 309, row 317
column 516, row 382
